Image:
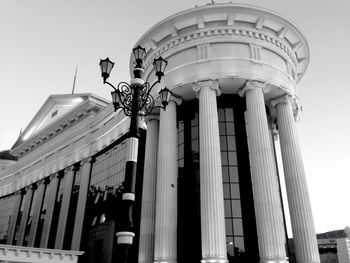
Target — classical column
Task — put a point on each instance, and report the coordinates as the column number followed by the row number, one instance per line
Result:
column 146, row 246
column 36, row 211
column 304, row 235
column 28, row 198
column 165, row 243
column 268, row 211
column 67, row 193
column 86, row 166
column 52, row 188
column 14, row 217
column 211, row 190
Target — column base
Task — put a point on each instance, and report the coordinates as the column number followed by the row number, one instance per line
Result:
column 164, row 261
column 274, row 260
column 125, row 237
column 214, row 260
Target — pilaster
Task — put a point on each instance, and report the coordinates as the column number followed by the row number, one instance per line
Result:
column 28, row 198
column 67, row 193
column 52, row 188
column 86, row 166
column 17, row 206
column 36, row 212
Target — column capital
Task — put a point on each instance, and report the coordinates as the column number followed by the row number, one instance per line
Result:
column 283, row 99
column 177, row 100
column 46, row 180
column 53, row 176
column 152, row 117
column 33, row 186
column 173, row 97
column 213, row 84
column 76, row 167
column 288, row 99
column 87, row 160
column 60, row 174
column 68, row 169
column 254, row 84
column 23, row 191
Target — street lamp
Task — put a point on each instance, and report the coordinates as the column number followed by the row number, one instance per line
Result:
column 135, row 100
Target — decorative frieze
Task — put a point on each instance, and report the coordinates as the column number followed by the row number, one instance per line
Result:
column 243, row 32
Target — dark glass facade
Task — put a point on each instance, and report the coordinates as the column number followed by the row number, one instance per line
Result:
column 104, row 202
column 241, row 237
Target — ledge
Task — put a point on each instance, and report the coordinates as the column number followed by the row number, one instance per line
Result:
column 30, row 254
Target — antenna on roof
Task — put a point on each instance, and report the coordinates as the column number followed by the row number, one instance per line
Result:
column 75, row 77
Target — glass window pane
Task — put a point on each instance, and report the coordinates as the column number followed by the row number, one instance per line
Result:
column 181, row 163
column 224, row 158
column 230, row 246
column 181, row 151
column 195, row 120
column 194, row 132
column 222, row 128
column 230, row 128
column 221, row 115
column 225, row 178
column 226, row 191
column 229, row 114
column 239, row 243
column 181, row 137
column 195, row 146
column 233, row 174
column 237, row 227
column 181, row 125
column 232, row 158
column 236, row 208
column 223, row 144
column 227, row 205
column 231, row 143
column 235, row 191
column 228, row 225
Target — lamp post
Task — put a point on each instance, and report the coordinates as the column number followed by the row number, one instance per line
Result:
column 135, row 100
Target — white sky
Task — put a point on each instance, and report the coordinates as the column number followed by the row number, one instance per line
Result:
column 41, row 42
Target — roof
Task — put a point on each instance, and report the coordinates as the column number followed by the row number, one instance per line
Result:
column 57, row 114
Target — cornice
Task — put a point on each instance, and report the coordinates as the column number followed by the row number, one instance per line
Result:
column 221, row 35
column 224, row 21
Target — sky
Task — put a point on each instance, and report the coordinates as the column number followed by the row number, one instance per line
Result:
column 42, row 42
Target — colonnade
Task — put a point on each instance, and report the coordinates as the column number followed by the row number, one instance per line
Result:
column 159, row 204
column 48, row 188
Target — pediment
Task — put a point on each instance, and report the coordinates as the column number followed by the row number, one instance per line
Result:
column 55, row 111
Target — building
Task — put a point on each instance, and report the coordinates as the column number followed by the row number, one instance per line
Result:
column 333, row 246
column 207, row 186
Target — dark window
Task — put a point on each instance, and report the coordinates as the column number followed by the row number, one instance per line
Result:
column 6, row 210
column 54, row 113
